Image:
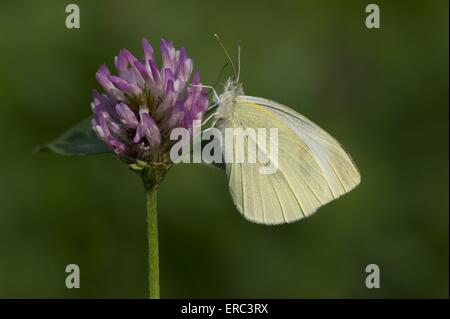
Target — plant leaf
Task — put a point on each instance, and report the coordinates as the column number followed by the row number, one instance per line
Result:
column 78, row 140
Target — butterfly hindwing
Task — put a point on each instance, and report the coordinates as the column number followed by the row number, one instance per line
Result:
column 312, row 170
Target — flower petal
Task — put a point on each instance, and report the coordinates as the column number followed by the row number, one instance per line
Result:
column 127, row 117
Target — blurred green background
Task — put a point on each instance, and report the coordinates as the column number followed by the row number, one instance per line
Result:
column 382, row 93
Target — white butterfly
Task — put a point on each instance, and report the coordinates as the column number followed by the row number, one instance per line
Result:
column 313, row 168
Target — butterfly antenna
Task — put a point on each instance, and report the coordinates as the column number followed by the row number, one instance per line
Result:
column 220, row 75
column 239, row 60
column 226, row 53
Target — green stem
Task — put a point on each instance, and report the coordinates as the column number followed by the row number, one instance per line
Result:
column 152, row 177
column 152, row 226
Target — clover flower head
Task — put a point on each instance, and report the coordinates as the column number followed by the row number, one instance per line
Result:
column 143, row 103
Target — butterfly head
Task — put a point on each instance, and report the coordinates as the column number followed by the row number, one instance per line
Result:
column 233, row 87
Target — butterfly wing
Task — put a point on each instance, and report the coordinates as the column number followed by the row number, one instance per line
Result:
column 313, row 169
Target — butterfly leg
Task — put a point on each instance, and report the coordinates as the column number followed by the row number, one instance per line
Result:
column 216, row 96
